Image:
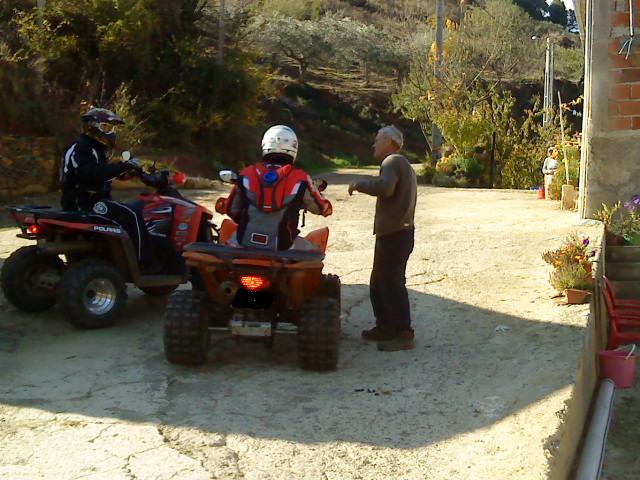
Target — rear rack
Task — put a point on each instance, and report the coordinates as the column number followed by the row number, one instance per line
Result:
column 230, row 253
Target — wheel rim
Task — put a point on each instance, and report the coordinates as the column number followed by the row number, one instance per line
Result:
column 99, row 296
column 43, row 278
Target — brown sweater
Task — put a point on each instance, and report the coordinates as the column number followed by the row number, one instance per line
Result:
column 397, row 190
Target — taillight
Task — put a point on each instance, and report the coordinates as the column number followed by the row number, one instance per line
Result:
column 34, row 229
column 253, row 283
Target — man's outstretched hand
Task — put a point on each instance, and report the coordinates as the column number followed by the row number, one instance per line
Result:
column 352, row 188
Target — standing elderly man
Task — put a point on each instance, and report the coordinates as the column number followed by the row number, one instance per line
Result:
column 396, row 192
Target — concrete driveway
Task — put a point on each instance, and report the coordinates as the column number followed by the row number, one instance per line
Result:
column 481, row 397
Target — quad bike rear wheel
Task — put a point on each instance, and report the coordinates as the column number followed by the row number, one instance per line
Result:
column 186, row 328
column 319, row 334
column 330, row 287
column 92, row 293
column 30, row 277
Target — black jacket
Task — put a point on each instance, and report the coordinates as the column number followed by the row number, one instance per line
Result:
column 85, row 174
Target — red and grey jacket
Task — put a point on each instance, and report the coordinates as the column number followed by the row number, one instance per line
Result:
column 266, row 203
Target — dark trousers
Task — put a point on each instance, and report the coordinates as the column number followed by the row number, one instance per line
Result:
column 129, row 217
column 387, row 287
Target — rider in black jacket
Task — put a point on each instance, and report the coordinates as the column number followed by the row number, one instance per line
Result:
column 86, row 175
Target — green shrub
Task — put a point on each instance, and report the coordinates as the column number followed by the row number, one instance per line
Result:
column 425, row 174
column 573, row 160
column 462, row 182
column 445, row 166
column 470, row 167
column 570, row 275
column 440, row 180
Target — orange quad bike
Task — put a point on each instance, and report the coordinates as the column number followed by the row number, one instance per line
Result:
column 253, row 293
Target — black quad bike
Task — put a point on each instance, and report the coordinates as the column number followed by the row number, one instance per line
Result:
column 83, row 261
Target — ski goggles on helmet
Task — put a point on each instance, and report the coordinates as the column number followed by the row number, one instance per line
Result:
column 106, row 127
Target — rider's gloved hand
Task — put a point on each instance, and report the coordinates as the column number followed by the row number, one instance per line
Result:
column 131, row 166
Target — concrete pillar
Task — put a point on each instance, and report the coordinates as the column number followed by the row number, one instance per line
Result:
column 610, row 163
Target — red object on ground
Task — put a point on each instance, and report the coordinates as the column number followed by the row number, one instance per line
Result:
column 618, row 366
column 624, row 318
column 179, row 179
column 541, row 193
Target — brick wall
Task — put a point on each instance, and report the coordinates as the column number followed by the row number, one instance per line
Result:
column 624, row 93
column 27, row 165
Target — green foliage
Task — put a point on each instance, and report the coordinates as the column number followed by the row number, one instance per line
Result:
column 442, row 180
column 573, row 162
column 558, row 13
column 469, row 167
column 463, row 128
column 570, row 275
column 569, row 63
column 622, row 219
column 535, row 8
column 607, row 214
column 469, row 99
column 298, row 9
column 329, row 41
column 149, row 60
column 426, row 174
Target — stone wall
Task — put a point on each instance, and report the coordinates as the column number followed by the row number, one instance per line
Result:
column 27, row 165
column 610, row 167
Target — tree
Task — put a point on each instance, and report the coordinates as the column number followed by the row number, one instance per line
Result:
column 536, row 8
column 151, row 56
column 558, row 13
column 303, row 41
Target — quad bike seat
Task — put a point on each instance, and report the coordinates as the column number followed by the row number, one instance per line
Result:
column 225, row 252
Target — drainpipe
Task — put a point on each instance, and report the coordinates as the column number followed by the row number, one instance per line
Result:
column 593, row 451
column 585, row 148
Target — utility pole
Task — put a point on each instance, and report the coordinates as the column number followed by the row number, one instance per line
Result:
column 548, row 84
column 436, row 136
column 41, row 5
column 221, row 14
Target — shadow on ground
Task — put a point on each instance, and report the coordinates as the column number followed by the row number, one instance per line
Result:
column 402, row 400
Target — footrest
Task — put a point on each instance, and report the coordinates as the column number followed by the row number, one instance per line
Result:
column 160, row 280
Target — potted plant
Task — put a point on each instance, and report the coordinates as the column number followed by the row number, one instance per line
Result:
column 606, row 215
column 573, row 280
column 572, row 263
column 574, row 250
column 621, row 222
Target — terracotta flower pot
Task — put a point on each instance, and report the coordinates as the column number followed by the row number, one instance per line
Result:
column 575, row 296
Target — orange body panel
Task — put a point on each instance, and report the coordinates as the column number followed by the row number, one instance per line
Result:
column 227, row 229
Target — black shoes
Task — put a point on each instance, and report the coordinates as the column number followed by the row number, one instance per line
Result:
column 390, row 341
column 403, row 340
column 377, row 334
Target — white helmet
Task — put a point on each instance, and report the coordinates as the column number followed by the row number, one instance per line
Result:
column 280, row 139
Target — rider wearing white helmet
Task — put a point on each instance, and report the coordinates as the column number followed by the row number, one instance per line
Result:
column 267, row 199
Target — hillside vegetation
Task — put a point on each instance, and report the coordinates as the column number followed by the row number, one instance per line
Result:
column 334, row 70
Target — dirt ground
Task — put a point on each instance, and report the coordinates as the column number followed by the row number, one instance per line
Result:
column 481, row 397
column 621, row 460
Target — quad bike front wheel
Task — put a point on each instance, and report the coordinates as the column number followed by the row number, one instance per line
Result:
column 319, row 334
column 30, row 277
column 186, row 328
column 92, row 293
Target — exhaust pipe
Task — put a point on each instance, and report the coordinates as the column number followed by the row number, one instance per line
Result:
column 227, row 290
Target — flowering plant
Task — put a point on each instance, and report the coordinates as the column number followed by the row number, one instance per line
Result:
column 570, row 275
column 574, row 251
column 622, row 219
